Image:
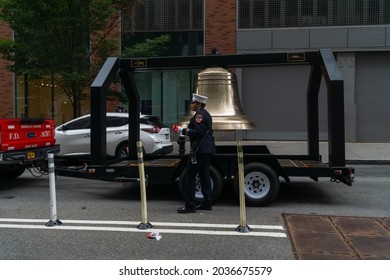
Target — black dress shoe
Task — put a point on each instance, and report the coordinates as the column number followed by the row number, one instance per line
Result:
column 185, row 210
column 204, row 207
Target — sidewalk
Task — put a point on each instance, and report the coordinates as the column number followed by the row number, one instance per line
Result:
column 354, row 152
column 373, row 153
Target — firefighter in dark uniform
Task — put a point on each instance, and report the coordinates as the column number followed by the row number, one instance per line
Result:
column 202, row 145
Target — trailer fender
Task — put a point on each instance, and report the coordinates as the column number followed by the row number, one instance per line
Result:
column 271, row 161
column 275, row 165
column 261, row 184
column 216, row 185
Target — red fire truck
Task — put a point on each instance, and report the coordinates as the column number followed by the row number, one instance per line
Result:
column 25, row 143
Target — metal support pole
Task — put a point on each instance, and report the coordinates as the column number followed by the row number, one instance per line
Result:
column 52, row 186
column 144, row 213
column 243, row 227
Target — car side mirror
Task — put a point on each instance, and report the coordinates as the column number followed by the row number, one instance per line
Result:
column 62, row 128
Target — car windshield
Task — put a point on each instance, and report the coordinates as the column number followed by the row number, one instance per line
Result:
column 152, row 120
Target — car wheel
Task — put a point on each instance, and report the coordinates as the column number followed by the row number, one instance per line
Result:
column 11, row 171
column 216, row 185
column 261, row 184
column 123, row 151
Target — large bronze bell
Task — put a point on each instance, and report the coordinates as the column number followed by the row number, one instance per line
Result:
column 223, row 103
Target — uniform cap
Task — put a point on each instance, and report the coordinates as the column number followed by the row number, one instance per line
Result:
column 199, row 98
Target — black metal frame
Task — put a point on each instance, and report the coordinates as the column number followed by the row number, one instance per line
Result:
column 323, row 64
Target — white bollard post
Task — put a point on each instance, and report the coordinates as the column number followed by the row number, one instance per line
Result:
column 52, row 186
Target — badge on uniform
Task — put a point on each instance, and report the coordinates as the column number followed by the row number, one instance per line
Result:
column 198, row 118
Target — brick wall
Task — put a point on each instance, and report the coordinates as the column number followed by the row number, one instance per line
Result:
column 220, row 26
column 6, row 80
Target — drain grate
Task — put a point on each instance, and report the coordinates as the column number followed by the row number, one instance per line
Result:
column 316, row 237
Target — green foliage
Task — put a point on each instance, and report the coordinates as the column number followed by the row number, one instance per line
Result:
column 7, row 49
column 149, row 48
column 59, row 38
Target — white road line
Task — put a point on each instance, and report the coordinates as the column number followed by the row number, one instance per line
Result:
column 120, row 229
column 164, row 224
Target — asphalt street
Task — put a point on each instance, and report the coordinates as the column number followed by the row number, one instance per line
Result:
column 100, row 219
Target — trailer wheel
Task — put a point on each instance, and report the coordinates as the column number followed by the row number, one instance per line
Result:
column 216, row 185
column 11, row 171
column 261, row 184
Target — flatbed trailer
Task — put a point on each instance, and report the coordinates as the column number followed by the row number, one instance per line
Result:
column 262, row 169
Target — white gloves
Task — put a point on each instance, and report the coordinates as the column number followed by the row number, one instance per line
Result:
column 177, row 129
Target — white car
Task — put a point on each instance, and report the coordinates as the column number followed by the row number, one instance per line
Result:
column 74, row 136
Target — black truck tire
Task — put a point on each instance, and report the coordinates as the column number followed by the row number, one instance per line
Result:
column 216, row 185
column 261, row 184
column 11, row 171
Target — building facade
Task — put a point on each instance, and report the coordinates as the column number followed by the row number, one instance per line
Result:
column 358, row 32
column 6, row 80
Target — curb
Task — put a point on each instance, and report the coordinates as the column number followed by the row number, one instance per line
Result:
column 367, row 161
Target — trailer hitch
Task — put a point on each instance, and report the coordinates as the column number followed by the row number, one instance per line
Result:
column 344, row 175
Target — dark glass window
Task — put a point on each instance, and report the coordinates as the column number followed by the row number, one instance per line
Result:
column 299, row 13
column 292, row 13
column 243, row 14
column 374, row 12
column 274, row 15
column 307, row 7
column 84, row 123
column 115, row 121
column 182, row 20
column 322, row 8
column 164, row 15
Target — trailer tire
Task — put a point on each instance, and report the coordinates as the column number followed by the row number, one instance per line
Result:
column 216, row 185
column 11, row 171
column 261, row 184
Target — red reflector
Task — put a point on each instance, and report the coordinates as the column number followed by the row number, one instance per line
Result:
column 338, row 172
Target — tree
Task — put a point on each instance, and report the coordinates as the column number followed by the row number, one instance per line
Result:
column 66, row 39
column 151, row 47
